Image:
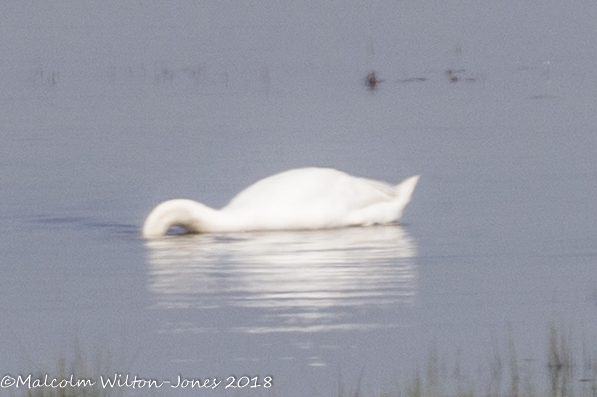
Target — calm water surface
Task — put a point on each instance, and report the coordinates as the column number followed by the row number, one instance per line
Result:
column 106, row 111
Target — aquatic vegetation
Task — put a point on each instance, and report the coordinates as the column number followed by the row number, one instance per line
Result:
column 564, row 371
column 77, row 374
column 561, row 374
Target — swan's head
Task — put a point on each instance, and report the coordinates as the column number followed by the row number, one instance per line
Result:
column 187, row 214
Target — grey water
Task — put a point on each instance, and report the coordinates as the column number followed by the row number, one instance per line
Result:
column 108, row 109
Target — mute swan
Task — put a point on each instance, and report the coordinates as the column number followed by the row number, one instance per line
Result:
column 304, row 198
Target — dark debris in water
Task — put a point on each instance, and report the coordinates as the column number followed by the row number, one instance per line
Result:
column 371, row 81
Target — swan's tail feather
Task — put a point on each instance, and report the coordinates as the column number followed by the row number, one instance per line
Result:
column 405, row 189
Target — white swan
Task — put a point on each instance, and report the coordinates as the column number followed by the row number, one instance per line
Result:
column 304, row 198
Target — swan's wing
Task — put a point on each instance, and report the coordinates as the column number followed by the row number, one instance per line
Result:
column 308, row 187
column 379, row 189
column 311, row 198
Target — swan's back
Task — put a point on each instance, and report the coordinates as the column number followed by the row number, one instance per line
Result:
column 309, row 187
column 316, row 198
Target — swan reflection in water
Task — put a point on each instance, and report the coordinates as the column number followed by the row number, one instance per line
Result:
column 293, row 281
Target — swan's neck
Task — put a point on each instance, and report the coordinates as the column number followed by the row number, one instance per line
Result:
column 194, row 217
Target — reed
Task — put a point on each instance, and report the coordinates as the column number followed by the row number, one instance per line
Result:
column 75, row 375
column 568, row 369
column 565, row 371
